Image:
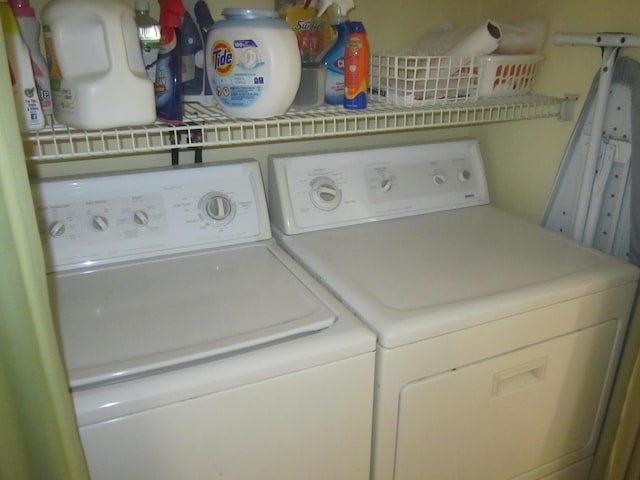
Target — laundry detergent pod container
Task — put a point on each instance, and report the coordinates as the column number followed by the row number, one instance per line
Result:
column 253, row 63
column 98, row 79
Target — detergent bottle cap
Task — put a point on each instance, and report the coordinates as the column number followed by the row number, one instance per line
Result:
column 141, row 5
column 356, row 27
column 22, row 8
column 171, row 12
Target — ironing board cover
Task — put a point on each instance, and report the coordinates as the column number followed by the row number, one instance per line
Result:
column 618, row 225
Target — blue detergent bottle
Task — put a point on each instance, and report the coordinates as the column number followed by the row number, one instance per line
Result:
column 334, row 58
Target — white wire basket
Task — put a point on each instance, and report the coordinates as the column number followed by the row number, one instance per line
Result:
column 411, row 78
column 507, row 75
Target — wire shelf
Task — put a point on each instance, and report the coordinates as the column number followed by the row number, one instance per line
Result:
column 208, row 127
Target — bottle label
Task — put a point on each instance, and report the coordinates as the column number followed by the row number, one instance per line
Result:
column 239, row 72
column 150, row 50
column 167, row 85
column 356, row 72
column 63, row 96
column 334, row 92
column 55, row 76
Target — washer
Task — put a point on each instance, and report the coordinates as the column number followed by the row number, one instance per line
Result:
column 195, row 347
column 497, row 340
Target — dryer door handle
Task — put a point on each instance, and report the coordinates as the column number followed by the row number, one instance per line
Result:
column 518, row 377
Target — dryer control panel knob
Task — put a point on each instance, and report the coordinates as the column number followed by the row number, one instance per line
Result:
column 464, row 175
column 100, row 223
column 325, row 193
column 141, row 217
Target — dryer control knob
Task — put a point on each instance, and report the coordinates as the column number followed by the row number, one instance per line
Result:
column 141, row 217
column 57, row 229
column 439, row 179
column 325, row 194
column 464, row 175
column 100, row 223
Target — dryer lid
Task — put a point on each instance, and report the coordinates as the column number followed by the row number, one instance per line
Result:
column 119, row 321
column 423, row 276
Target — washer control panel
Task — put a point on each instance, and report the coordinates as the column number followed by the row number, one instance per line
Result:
column 96, row 220
column 311, row 192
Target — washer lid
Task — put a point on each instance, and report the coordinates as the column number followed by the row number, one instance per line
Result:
column 134, row 318
column 422, row 276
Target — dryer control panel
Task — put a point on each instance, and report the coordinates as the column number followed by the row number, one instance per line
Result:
column 96, row 220
column 317, row 191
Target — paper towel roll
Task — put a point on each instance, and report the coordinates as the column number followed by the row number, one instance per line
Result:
column 447, row 39
column 480, row 40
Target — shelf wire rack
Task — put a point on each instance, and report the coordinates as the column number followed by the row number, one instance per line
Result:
column 208, row 127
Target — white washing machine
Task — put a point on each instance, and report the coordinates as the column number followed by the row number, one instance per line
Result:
column 195, row 347
column 497, row 340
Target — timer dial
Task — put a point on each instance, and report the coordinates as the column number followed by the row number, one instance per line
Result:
column 325, row 194
column 217, row 207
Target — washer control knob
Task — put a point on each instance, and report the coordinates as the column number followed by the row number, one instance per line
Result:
column 100, row 223
column 57, row 229
column 218, row 207
column 464, row 175
column 439, row 179
column 141, row 217
column 325, row 194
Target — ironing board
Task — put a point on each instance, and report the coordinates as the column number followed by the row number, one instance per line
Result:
column 592, row 199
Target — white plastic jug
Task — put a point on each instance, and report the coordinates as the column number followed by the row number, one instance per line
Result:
column 98, row 79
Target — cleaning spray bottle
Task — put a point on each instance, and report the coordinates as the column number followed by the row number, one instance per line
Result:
column 334, row 58
column 30, row 30
column 25, row 93
column 196, row 23
column 168, row 84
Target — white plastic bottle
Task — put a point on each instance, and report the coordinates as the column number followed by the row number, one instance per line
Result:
column 253, row 63
column 149, row 35
column 98, row 80
column 30, row 30
column 25, row 93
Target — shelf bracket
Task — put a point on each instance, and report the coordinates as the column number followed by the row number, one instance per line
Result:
column 568, row 107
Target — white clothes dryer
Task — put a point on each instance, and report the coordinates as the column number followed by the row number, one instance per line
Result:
column 498, row 341
column 195, row 347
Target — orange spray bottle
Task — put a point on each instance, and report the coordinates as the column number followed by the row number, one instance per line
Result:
column 356, row 67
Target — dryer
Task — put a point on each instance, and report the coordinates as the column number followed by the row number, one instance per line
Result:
column 498, row 341
column 195, row 347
